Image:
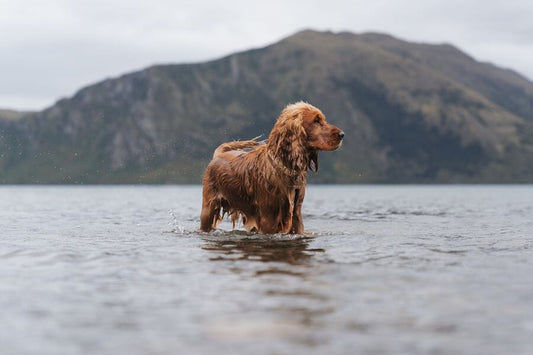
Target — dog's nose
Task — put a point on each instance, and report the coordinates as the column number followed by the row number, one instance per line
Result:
column 341, row 134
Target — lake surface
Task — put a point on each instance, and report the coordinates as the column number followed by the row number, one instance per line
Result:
column 387, row 269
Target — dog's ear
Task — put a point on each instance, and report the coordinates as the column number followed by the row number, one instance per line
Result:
column 287, row 141
column 313, row 161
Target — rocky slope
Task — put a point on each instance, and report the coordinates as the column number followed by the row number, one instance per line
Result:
column 411, row 112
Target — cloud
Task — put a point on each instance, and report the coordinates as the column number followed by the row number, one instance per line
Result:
column 52, row 48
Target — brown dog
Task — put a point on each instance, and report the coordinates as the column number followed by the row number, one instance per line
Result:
column 265, row 184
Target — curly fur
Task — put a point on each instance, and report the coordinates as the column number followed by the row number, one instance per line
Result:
column 264, row 183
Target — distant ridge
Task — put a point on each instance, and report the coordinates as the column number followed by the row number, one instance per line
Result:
column 412, row 112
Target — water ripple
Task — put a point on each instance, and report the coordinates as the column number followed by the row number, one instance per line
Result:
column 384, row 269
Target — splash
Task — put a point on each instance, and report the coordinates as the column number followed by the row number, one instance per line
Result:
column 174, row 223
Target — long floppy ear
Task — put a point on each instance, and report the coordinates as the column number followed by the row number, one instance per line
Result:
column 313, row 161
column 287, row 141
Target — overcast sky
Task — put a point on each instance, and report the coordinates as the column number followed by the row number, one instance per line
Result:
column 49, row 49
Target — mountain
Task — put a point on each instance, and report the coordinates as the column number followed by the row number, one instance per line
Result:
column 412, row 112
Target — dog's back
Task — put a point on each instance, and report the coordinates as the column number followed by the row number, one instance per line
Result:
column 237, row 145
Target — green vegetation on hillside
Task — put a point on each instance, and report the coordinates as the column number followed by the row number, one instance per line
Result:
column 411, row 112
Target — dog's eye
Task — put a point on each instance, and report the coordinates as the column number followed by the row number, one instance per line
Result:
column 317, row 119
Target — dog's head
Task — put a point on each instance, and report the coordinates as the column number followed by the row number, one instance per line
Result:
column 299, row 133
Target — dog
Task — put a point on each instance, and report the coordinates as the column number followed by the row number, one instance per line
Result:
column 263, row 183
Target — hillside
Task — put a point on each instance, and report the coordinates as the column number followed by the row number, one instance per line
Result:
column 11, row 115
column 411, row 112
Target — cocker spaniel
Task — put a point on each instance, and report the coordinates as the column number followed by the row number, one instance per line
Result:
column 264, row 183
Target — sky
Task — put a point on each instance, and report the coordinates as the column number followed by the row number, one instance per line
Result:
column 49, row 49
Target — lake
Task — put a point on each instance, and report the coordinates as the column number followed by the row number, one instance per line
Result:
column 386, row 269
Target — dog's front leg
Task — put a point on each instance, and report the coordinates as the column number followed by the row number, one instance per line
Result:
column 297, row 220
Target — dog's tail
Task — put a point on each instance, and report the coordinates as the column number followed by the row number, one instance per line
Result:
column 238, row 145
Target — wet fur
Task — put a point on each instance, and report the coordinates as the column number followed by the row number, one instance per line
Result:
column 264, row 183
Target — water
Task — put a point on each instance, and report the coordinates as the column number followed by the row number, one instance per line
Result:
column 387, row 269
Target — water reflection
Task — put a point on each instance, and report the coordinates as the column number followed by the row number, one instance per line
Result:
column 279, row 282
column 293, row 250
